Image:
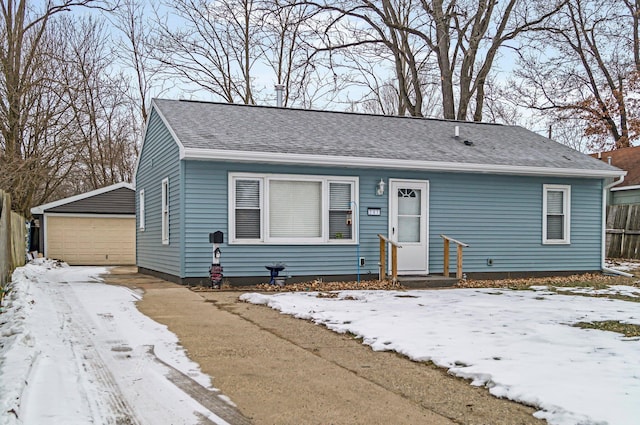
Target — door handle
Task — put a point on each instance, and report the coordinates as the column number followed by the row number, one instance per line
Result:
column 393, row 230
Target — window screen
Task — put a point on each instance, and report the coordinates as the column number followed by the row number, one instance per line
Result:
column 340, row 211
column 555, row 214
column 248, row 209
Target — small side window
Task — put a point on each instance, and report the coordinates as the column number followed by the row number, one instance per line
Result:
column 165, row 211
column 141, row 209
column 556, row 207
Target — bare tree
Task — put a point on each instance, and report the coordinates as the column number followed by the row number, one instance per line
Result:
column 135, row 47
column 358, row 35
column 464, row 35
column 213, row 46
column 30, row 103
column 285, row 34
column 588, row 70
column 105, row 122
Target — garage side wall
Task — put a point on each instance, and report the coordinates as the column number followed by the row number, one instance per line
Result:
column 159, row 159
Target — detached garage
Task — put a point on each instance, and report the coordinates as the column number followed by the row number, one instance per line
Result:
column 93, row 228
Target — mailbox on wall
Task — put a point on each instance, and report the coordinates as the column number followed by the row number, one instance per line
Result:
column 215, row 272
column 216, row 237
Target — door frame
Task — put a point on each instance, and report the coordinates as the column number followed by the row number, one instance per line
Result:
column 392, row 212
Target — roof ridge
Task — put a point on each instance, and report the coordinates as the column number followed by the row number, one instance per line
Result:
column 364, row 114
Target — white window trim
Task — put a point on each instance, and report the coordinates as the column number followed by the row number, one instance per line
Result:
column 164, row 210
column 232, row 210
column 264, row 216
column 141, row 209
column 566, row 190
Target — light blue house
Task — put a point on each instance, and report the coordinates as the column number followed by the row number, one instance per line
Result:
column 313, row 190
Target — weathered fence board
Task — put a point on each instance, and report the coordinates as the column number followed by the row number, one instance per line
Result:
column 623, row 231
column 13, row 233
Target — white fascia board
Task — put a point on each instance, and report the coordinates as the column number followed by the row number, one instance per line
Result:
column 40, row 209
column 89, row 215
column 615, row 189
column 346, row 161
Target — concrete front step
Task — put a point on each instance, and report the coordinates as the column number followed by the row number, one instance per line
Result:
column 429, row 281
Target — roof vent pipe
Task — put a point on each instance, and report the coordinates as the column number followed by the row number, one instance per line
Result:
column 456, row 131
column 609, row 160
column 599, row 155
column 279, row 94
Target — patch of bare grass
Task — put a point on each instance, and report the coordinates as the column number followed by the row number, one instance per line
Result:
column 626, row 329
column 587, row 280
column 611, row 296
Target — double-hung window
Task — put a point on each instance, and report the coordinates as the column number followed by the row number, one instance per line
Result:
column 556, row 215
column 292, row 209
column 248, row 213
column 141, row 211
column 165, row 211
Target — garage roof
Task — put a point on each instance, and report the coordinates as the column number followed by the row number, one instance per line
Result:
column 115, row 199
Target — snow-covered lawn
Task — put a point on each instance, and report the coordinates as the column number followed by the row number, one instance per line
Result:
column 520, row 344
column 76, row 351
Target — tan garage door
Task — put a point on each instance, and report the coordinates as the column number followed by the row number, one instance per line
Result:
column 91, row 240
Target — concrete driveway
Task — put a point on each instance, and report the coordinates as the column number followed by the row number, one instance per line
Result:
column 282, row 370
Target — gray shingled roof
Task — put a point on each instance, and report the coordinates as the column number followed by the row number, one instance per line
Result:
column 118, row 199
column 229, row 127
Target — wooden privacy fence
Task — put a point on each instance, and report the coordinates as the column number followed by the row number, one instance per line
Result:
column 13, row 234
column 623, row 231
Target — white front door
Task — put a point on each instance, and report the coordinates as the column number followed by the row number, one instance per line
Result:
column 408, row 224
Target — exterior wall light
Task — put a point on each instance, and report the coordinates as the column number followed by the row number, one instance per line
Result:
column 380, row 188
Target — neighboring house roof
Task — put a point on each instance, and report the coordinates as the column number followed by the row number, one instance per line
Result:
column 115, row 199
column 219, row 131
column 627, row 159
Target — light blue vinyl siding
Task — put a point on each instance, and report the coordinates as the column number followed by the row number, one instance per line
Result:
column 500, row 217
column 206, row 200
column 159, row 159
column 625, row 197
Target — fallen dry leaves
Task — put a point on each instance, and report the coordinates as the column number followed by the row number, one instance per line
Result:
column 588, row 279
column 318, row 285
column 596, row 280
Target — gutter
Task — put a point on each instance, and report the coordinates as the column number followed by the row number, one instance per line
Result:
column 603, row 266
column 386, row 163
column 634, row 187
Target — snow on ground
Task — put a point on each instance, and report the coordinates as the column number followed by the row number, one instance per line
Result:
column 626, row 291
column 623, row 266
column 76, row 351
column 520, row 344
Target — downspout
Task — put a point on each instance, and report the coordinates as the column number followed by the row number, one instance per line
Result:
column 356, row 233
column 605, row 191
